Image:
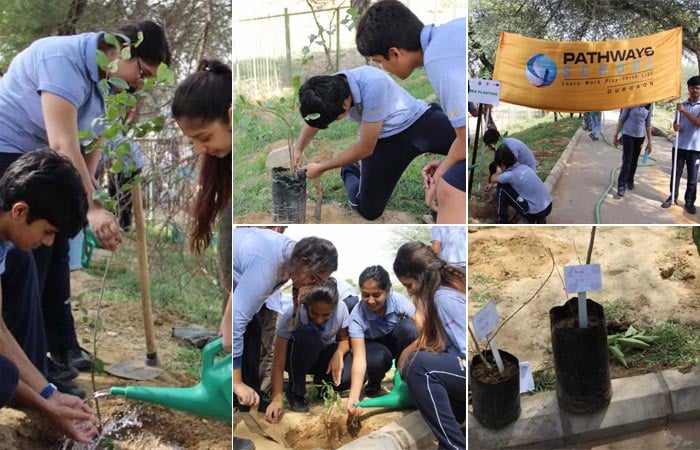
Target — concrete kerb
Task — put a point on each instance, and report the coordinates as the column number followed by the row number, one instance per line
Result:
column 560, row 165
column 637, row 403
column 408, row 433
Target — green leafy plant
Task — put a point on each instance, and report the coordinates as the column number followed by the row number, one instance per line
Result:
column 630, row 339
column 112, row 132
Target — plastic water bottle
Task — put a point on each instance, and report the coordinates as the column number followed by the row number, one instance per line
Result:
column 646, row 156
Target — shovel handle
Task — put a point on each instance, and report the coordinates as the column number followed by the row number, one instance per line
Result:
column 319, row 199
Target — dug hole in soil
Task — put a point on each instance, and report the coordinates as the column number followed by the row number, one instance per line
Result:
column 121, row 339
column 654, row 269
column 321, row 428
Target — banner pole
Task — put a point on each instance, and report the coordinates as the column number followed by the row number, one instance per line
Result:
column 674, row 160
column 476, row 146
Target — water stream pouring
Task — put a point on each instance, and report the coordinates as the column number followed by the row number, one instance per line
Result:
column 210, row 398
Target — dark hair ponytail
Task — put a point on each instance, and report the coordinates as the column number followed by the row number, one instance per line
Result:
column 420, row 262
column 205, row 96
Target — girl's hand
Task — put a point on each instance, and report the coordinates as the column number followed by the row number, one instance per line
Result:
column 274, row 411
column 246, row 395
column 353, row 410
column 335, row 367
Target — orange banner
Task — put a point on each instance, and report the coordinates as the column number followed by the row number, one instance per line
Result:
column 589, row 76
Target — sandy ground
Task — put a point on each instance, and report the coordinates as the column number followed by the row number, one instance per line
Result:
column 509, row 264
column 317, row 429
column 331, row 212
column 122, row 339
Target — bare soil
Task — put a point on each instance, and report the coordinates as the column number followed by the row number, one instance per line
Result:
column 651, row 268
column 121, row 339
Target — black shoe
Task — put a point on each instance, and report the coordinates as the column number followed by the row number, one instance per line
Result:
column 667, row 203
column 242, row 444
column 59, row 373
column 70, row 389
column 297, row 403
column 690, row 209
column 620, row 191
column 630, row 186
column 76, row 357
column 374, row 389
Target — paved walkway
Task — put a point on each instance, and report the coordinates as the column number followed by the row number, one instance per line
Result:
column 586, row 176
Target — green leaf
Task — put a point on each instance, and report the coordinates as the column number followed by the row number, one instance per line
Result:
column 113, row 66
column 127, row 99
column 618, row 354
column 312, row 116
column 85, row 134
column 111, row 40
column 165, row 75
column 111, row 132
column 118, row 83
column 102, row 60
column 103, row 85
column 126, row 53
column 99, row 365
column 117, row 166
column 139, row 39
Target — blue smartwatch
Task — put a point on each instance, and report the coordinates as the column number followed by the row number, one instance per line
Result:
column 48, row 391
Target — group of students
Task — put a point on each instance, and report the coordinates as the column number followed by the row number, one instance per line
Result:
column 513, row 170
column 50, row 92
column 394, row 127
column 350, row 345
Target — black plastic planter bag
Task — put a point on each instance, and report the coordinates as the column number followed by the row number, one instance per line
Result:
column 288, row 196
column 495, row 401
column 580, row 358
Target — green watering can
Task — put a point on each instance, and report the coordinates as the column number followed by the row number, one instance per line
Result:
column 210, row 398
column 398, row 398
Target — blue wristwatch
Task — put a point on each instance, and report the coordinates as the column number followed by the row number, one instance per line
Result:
column 48, row 391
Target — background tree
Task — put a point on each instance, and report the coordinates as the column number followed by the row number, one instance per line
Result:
column 573, row 20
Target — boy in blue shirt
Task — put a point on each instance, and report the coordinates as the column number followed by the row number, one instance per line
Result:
column 394, row 37
column 41, row 195
column 688, row 146
column 519, row 187
column 393, row 128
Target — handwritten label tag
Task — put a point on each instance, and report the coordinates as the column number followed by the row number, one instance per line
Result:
column 583, row 278
column 527, row 383
column 485, row 320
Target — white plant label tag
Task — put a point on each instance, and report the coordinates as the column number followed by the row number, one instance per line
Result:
column 485, row 320
column 583, row 278
column 527, row 383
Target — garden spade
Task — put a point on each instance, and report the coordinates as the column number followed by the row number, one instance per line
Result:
column 150, row 368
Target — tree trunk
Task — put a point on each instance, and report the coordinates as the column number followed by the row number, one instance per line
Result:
column 204, row 43
column 77, row 8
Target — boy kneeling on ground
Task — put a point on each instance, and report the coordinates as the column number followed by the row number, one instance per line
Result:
column 519, row 187
column 41, row 195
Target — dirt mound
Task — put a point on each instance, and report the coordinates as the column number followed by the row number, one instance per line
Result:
column 330, row 213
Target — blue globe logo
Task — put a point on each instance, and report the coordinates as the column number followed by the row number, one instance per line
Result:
column 541, row 70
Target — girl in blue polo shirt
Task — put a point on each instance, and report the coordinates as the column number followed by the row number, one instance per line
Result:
column 313, row 339
column 49, row 93
column 394, row 128
column 263, row 261
column 381, row 327
column 635, row 124
column 435, row 372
